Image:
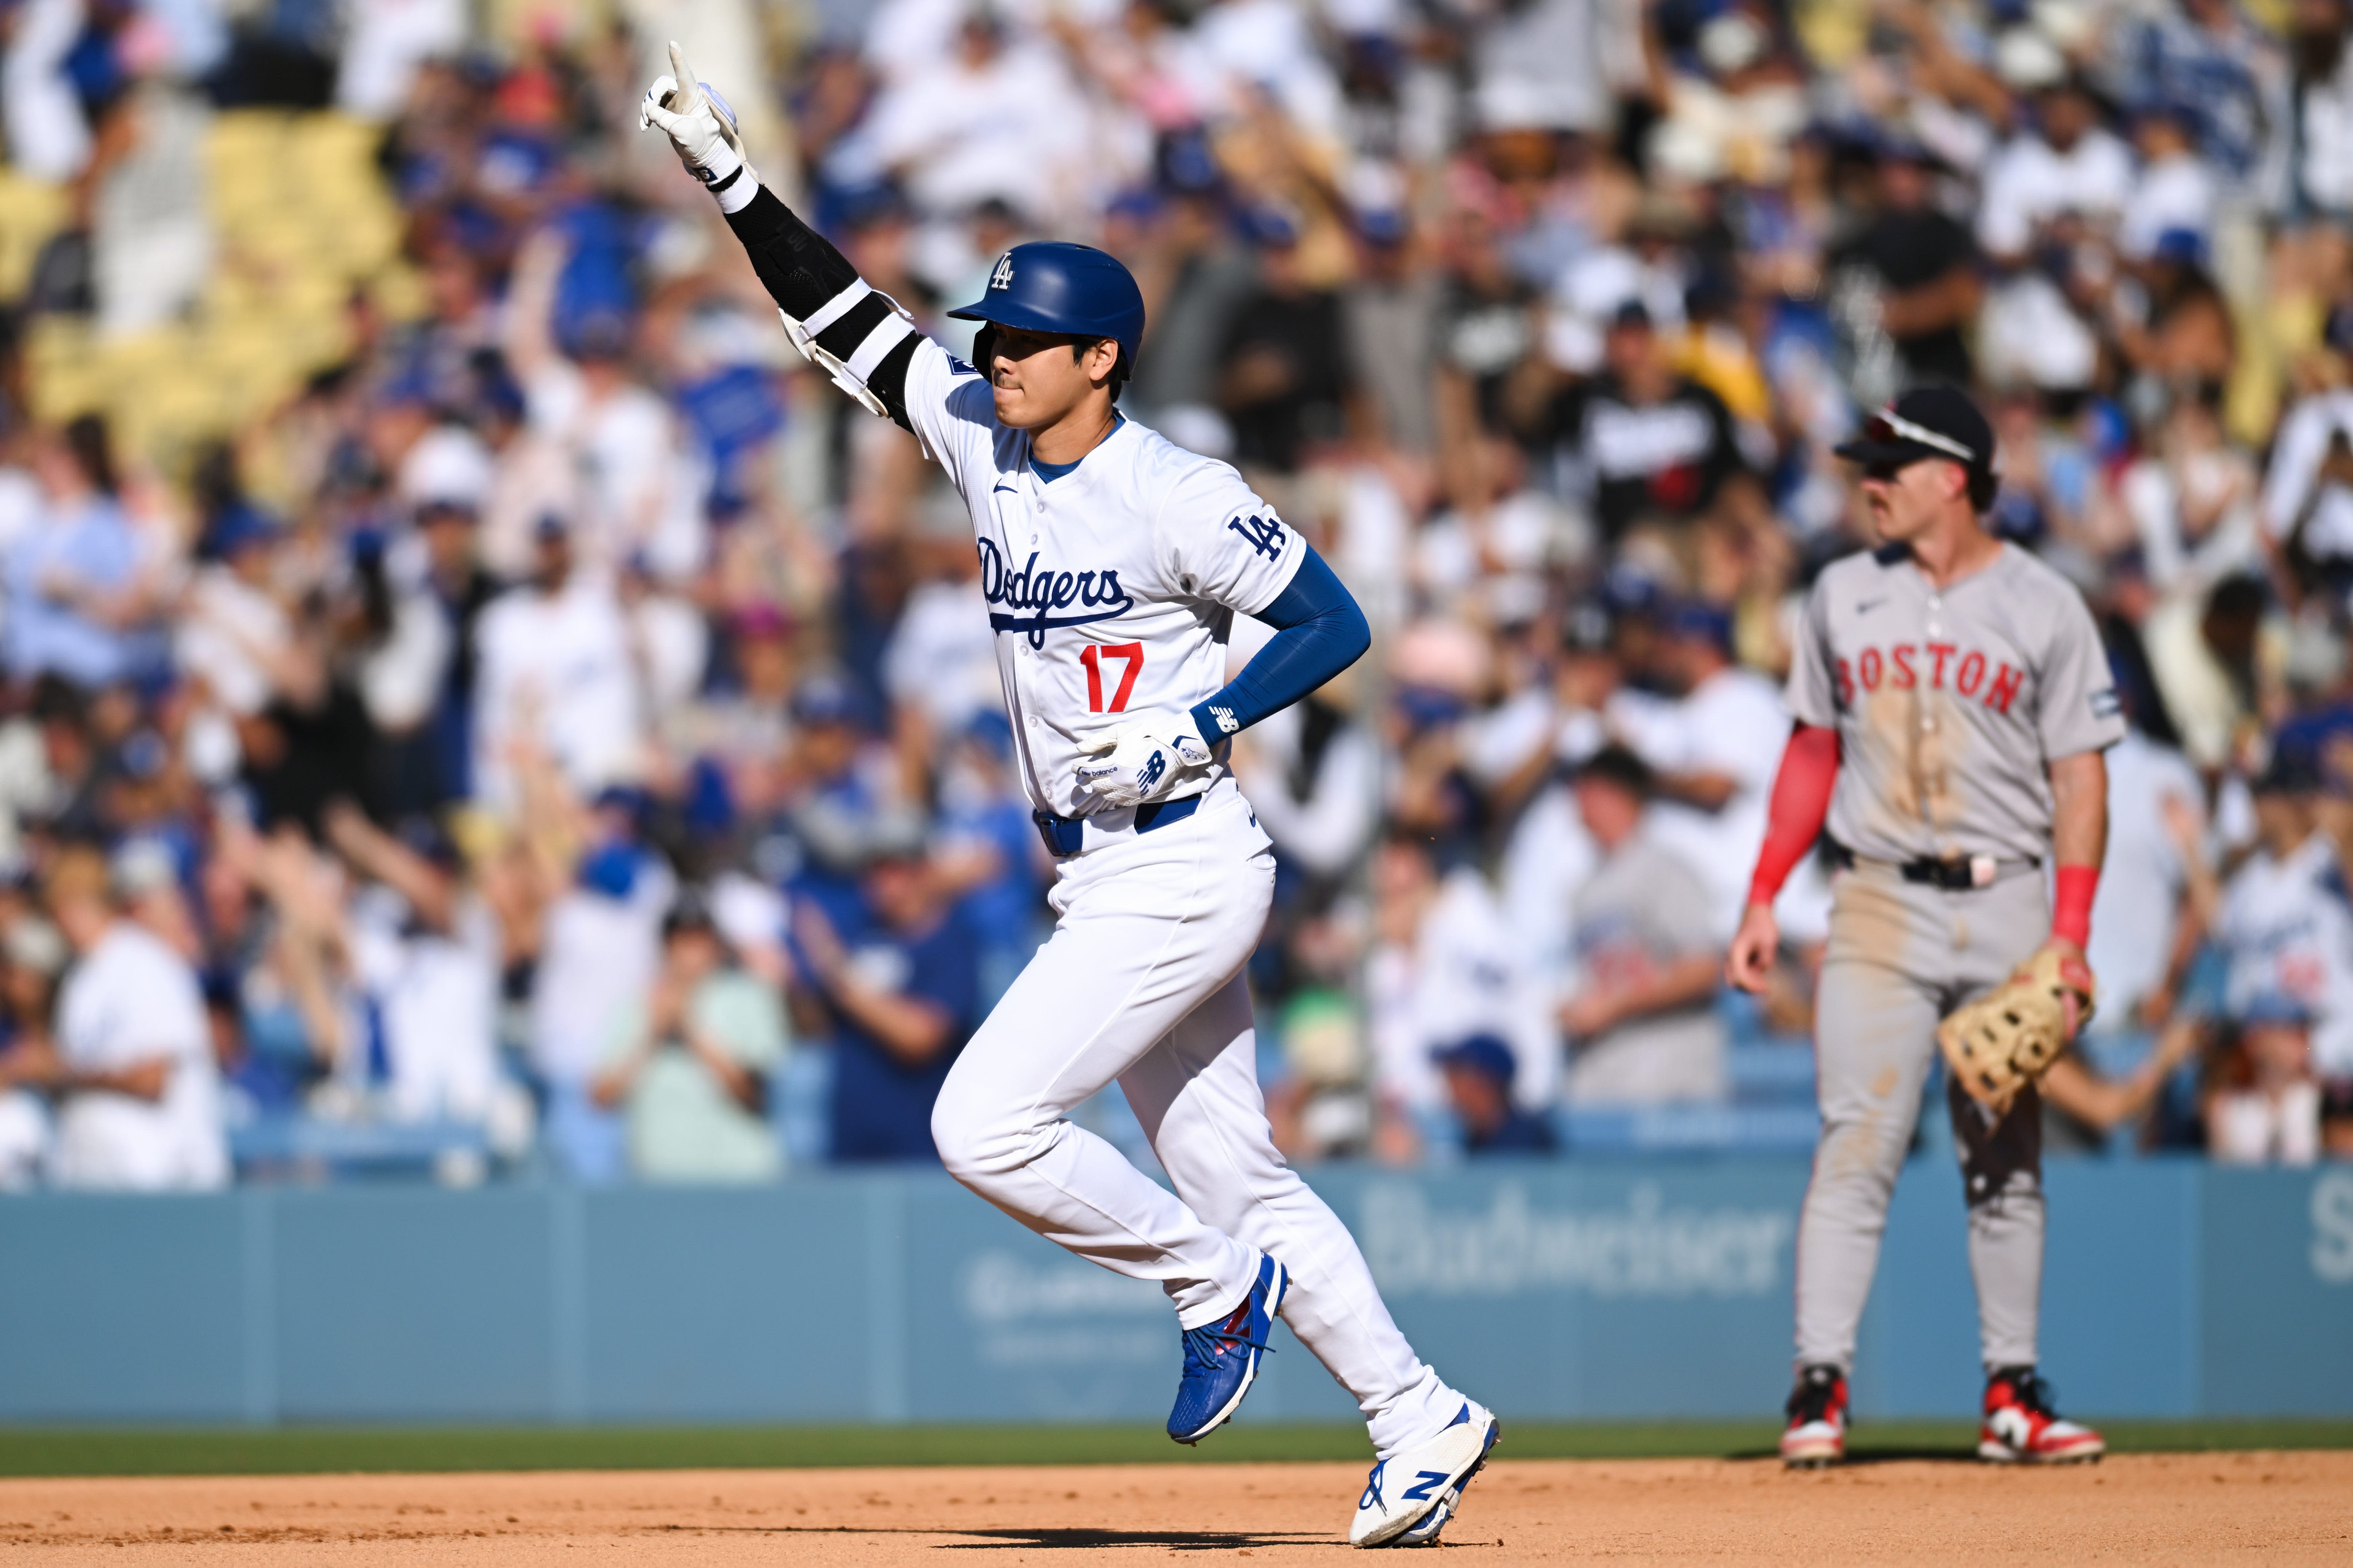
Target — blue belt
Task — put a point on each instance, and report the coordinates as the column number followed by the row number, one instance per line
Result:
column 1067, row 835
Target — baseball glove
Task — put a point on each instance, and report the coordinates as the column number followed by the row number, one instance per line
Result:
column 2004, row 1040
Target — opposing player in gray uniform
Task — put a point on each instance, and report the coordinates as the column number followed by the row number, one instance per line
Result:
column 1952, row 704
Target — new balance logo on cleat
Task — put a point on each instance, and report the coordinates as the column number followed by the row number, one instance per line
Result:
column 1422, row 1481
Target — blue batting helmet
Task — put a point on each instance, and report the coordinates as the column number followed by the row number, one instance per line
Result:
column 1051, row 286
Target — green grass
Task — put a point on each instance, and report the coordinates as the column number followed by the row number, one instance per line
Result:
column 39, row 1451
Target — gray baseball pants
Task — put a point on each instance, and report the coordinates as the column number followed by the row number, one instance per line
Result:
column 1900, row 956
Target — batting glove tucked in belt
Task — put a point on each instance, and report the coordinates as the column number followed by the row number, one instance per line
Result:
column 700, row 127
column 1140, row 762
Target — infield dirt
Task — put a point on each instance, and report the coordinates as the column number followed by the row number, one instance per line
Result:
column 2283, row 1508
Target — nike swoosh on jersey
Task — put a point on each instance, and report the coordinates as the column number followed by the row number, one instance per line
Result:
column 1864, row 607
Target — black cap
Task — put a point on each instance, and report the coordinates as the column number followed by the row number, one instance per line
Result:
column 1930, row 421
column 2292, row 770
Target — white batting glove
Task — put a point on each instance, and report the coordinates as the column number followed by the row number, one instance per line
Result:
column 1139, row 764
column 698, row 121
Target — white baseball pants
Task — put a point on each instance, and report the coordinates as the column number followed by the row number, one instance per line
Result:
column 1142, row 982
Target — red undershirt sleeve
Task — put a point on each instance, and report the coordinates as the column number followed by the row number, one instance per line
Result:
column 1800, row 804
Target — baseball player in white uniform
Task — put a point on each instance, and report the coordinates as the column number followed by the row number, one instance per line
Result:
column 1112, row 564
column 1952, row 704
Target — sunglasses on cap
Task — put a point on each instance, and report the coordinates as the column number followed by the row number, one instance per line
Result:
column 1889, row 425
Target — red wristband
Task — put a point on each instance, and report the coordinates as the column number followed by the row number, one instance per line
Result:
column 2070, row 903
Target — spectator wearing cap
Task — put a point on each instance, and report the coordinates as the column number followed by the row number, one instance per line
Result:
column 1644, row 443
column 839, row 786
column 556, row 675
column 2060, row 184
column 233, row 635
column 462, row 588
column 1210, row 274
column 1549, row 853
column 1390, row 312
column 1282, row 378
column 1905, row 290
column 139, row 1094
column 599, row 946
column 2285, row 928
column 901, row 990
column 2264, row 1107
column 1444, row 961
column 1640, row 1018
column 632, row 485
column 2174, row 191
column 1479, row 1072
column 689, row 1067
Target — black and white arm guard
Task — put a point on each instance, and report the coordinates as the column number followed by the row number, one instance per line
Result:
column 859, row 336
column 862, row 338
column 850, row 336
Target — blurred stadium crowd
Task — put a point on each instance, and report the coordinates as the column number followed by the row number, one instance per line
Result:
column 478, row 704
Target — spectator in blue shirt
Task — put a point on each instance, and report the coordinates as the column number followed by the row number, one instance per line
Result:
column 76, row 600
column 902, row 990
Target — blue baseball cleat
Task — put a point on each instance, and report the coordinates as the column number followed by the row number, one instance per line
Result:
column 1221, row 1358
column 1411, row 1495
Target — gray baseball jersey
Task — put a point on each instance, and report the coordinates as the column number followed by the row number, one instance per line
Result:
column 1949, row 702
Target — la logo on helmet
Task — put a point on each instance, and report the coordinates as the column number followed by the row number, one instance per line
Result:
column 1003, row 276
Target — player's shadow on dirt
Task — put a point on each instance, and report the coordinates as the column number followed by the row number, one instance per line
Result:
column 1879, row 1457
column 1080, row 1539
column 1087, row 1539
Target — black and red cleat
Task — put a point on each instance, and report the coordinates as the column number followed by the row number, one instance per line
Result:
column 2020, row 1427
column 1816, row 1435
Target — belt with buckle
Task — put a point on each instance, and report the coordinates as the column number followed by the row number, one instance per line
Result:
column 1954, row 873
column 1068, row 835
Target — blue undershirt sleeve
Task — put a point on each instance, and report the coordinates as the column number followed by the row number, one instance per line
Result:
column 1319, row 632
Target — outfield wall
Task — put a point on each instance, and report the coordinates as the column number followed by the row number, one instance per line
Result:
column 1594, row 1290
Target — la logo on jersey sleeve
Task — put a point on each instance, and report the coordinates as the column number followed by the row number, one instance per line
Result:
column 1264, row 535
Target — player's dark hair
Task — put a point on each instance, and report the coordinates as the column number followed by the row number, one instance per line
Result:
column 1119, row 370
column 1984, row 486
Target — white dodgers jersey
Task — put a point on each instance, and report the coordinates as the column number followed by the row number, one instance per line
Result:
column 1111, row 589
